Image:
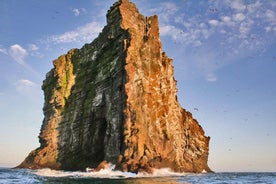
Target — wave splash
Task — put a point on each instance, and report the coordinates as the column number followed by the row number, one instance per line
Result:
column 108, row 172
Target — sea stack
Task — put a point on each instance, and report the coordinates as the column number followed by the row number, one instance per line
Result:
column 114, row 101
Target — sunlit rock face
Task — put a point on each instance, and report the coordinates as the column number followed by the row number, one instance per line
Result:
column 114, row 101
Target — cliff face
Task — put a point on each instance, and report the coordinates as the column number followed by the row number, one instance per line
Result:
column 114, row 100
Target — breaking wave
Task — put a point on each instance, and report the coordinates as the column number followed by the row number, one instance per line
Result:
column 108, row 172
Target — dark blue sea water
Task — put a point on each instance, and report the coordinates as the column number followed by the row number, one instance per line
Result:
column 164, row 176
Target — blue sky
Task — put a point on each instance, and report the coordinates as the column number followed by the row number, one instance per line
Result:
column 224, row 58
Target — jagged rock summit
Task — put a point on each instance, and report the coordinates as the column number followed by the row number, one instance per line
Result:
column 114, row 101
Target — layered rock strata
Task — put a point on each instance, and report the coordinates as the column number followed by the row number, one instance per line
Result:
column 114, row 101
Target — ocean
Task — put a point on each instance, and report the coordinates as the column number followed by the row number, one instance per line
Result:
column 106, row 176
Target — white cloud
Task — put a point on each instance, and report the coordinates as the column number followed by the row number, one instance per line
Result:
column 178, row 19
column 271, row 16
column 234, row 23
column 211, row 77
column 76, row 11
column 187, row 25
column 253, row 7
column 191, row 37
column 33, row 47
column 202, row 25
column 268, row 28
column 33, row 51
column 239, row 17
column 170, row 7
column 244, row 29
column 3, row 50
column 18, row 53
column 237, row 5
column 213, row 22
column 24, row 86
column 26, row 82
column 226, row 19
column 85, row 33
column 169, row 30
column 165, row 11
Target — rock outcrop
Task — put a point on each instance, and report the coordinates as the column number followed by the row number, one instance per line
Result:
column 114, row 101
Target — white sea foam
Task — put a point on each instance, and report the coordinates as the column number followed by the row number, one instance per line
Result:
column 108, row 172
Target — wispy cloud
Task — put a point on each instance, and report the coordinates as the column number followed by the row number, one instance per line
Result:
column 165, row 10
column 78, row 11
column 237, row 5
column 18, row 53
column 33, row 47
column 24, row 86
column 26, row 83
column 170, row 30
column 211, row 77
column 33, row 50
column 84, row 33
column 3, row 50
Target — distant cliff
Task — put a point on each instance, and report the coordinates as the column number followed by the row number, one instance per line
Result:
column 114, row 100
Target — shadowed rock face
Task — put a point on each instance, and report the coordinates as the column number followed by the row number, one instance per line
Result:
column 114, row 100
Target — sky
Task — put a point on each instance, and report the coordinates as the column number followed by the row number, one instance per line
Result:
column 224, row 54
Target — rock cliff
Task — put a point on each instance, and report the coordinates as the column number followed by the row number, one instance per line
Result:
column 114, row 100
